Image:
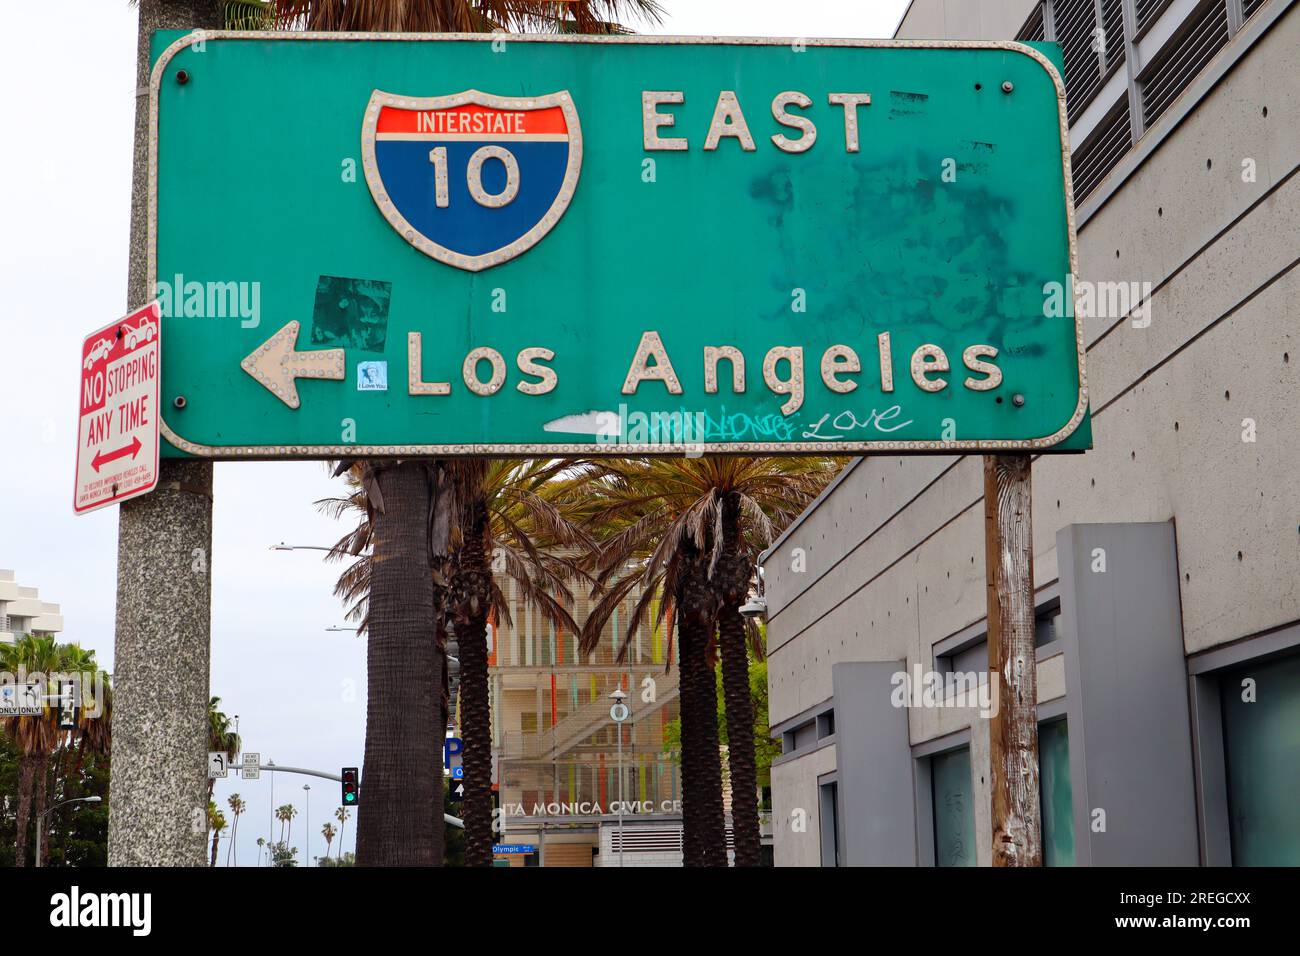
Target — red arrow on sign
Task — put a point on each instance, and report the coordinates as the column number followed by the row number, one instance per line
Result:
column 132, row 449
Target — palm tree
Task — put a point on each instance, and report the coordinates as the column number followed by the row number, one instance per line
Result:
column 221, row 736
column 216, row 823
column 237, row 806
column 391, row 587
column 92, row 734
column 328, row 832
column 511, row 512
column 285, row 815
column 502, row 508
column 37, row 737
column 261, row 842
column 404, row 668
column 342, row 815
column 696, row 524
column 290, row 811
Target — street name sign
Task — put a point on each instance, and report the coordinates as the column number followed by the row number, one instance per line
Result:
column 117, row 434
column 399, row 245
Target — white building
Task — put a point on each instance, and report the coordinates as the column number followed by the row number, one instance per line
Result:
column 23, row 612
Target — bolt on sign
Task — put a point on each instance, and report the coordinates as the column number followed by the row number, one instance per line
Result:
column 117, row 435
column 521, row 245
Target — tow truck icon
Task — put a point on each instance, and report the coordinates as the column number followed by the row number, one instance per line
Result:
column 97, row 352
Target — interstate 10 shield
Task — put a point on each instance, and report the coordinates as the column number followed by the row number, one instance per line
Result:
column 472, row 179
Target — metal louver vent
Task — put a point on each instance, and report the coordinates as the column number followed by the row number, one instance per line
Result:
column 647, row 840
column 1099, row 154
column 1204, row 34
column 1250, row 6
column 1033, row 28
column 1112, row 21
column 1076, row 25
column 1148, row 10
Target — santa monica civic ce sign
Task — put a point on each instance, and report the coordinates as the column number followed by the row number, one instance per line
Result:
column 403, row 245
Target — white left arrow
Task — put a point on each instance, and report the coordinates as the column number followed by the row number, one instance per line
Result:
column 276, row 364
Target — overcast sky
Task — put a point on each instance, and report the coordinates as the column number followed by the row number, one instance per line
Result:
column 65, row 183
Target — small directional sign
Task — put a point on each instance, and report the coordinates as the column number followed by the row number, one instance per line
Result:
column 20, row 700
column 217, row 765
column 458, row 789
column 452, row 749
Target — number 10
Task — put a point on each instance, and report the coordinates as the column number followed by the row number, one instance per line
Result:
column 474, row 176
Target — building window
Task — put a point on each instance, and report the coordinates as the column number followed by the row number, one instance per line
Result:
column 825, row 724
column 829, row 799
column 1260, row 706
column 954, row 811
column 1054, row 793
column 1045, row 625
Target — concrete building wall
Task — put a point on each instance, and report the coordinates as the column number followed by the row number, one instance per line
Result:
column 797, row 817
column 895, row 551
column 962, row 19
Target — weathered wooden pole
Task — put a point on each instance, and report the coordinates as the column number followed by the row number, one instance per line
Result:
column 1013, row 732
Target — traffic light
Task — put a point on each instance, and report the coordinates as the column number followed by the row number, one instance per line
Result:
column 351, row 794
column 67, row 705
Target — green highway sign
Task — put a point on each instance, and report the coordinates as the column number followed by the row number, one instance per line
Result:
column 369, row 244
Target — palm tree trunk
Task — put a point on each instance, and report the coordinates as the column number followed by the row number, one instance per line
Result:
column 704, row 837
column 28, row 768
column 732, row 579
column 394, row 826
column 216, row 837
column 472, row 594
column 45, row 797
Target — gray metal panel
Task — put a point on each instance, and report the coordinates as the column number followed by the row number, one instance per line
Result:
column 1126, row 677
column 1211, row 772
column 873, row 761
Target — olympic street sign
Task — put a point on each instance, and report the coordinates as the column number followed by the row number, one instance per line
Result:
column 368, row 244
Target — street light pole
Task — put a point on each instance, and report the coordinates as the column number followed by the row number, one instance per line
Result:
column 306, row 819
column 40, row 821
column 270, row 836
column 618, row 713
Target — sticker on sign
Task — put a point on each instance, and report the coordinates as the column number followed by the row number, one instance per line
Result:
column 117, row 434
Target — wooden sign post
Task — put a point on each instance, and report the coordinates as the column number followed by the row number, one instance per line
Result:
column 1013, row 735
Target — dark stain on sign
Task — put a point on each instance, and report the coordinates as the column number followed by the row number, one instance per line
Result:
column 351, row 313
column 904, row 103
